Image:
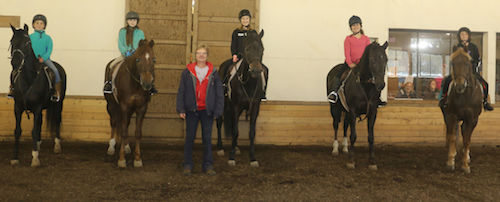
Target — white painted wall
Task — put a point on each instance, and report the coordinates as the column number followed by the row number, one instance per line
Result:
column 303, row 39
column 85, row 35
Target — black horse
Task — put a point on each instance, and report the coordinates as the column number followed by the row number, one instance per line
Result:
column 247, row 89
column 361, row 93
column 32, row 93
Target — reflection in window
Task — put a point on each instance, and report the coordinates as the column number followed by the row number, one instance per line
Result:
column 418, row 60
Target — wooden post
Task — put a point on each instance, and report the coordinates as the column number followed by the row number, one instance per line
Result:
column 6, row 21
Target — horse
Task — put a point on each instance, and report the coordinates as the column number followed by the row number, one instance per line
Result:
column 32, row 92
column 247, row 89
column 464, row 104
column 133, row 79
column 361, row 95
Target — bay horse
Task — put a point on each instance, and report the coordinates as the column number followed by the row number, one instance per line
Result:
column 464, row 104
column 32, row 92
column 361, row 93
column 247, row 90
column 133, row 78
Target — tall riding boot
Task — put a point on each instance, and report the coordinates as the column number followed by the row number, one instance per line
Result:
column 442, row 102
column 153, row 90
column 56, row 97
column 486, row 104
column 11, row 92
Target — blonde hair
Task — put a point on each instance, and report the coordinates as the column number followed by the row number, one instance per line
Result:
column 203, row 46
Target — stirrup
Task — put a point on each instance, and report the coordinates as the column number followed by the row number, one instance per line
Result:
column 107, row 91
column 333, row 93
column 10, row 96
column 54, row 98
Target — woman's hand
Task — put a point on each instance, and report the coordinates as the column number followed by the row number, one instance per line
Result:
column 352, row 65
column 182, row 115
column 40, row 59
column 235, row 58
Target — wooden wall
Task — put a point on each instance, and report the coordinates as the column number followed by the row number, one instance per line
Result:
column 279, row 123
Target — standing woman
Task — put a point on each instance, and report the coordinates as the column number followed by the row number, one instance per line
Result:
column 128, row 41
column 199, row 99
column 463, row 37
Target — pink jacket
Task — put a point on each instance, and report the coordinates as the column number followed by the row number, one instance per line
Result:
column 354, row 48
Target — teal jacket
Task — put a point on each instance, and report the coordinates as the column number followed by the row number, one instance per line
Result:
column 41, row 44
column 122, row 41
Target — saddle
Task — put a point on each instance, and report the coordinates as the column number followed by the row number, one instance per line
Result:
column 233, row 69
column 114, row 67
column 50, row 75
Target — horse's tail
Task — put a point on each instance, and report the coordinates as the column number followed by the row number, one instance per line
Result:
column 54, row 109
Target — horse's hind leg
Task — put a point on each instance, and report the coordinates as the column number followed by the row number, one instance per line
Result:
column 220, row 148
column 345, row 142
column 17, row 134
column 138, row 135
column 451, row 128
column 114, row 134
column 335, row 112
column 234, row 144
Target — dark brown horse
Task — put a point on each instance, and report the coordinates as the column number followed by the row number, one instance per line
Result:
column 132, row 82
column 247, row 90
column 32, row 93
column 362, row 91
column 464, row 103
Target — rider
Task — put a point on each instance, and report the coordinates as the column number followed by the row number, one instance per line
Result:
column 354, row 46
column 128, row 41
column 237, row 41
column 463, row 37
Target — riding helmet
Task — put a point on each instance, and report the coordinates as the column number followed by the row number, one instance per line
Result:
column 463, row 29
column 353, row 20
column 40, row 17
column 244, row 12
column 132, row 15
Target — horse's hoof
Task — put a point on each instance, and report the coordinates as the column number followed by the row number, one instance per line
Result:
column 335, row 152
column 450, row 167
column 350, row 165
column 237, row 151
column 220, row 152
column 127, row 149
column 14, row 162
column 231, row 162
column 138, row 164
column 111, row 151
column 122, row 164
column 345, row 150
column 254, row 164
column 35, row 162
column 372, row 167
column 466, row 169
column 57, row 146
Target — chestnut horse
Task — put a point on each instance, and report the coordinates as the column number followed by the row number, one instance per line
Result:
column 464, row 103
column 133, row 78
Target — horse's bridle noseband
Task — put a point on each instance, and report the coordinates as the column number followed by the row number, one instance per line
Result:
column 19, row 50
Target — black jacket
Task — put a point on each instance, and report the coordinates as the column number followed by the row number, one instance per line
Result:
column 237, row 42
column 474, row 54
column 186, row 95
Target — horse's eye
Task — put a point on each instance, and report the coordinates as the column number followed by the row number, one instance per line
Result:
column 137, row 60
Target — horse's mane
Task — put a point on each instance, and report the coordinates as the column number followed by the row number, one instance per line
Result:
column 460, row 52
column 364, row 57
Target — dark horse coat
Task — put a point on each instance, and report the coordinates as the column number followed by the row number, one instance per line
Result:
column 361, row 91
column 32, row 93
column 246, row 93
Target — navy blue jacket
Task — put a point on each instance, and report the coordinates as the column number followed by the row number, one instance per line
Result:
column 186, row 95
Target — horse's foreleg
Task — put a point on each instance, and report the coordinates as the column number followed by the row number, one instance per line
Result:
column 138, row 135
column 467, row 128
column 371, row 138
column 124, row 121
column 220, row 148
column 251, row 135
column 345, row 143
column 451, row 127
column 17, row 134
column 113, row 138
column 35, row 134
column 352, row 121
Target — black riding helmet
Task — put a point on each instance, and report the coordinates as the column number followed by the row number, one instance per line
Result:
column 132, row 15
column 463, row 29
column 244, row 12
column 39, row 17
column 354, row 19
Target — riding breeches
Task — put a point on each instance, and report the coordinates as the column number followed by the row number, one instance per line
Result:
column 51, row 65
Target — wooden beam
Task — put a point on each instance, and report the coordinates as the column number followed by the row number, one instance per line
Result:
column 6, row 21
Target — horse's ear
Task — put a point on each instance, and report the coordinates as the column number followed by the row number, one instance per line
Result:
column 261, row 34
column 385, row 45
column 141, row 42
column 151, row 43
column 455, row 48
column 26, row 28
column 13, row 28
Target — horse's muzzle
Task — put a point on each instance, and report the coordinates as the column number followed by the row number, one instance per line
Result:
column 146, row 81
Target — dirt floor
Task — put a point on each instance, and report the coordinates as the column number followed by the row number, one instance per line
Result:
column 411, row 173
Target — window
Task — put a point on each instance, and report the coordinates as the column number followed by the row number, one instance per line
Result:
column 418, row 60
